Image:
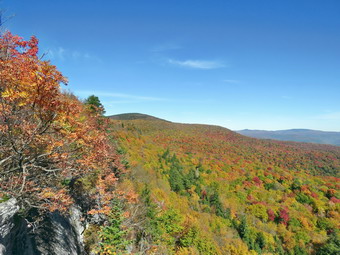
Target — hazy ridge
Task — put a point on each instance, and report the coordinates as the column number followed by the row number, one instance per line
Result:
column 296, row 135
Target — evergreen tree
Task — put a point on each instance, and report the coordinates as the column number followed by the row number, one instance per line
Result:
column 331, row 247
column 94, row 104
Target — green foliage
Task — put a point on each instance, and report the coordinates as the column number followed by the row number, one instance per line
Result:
column 214, row 201
column 193, row 239
column 258, row 210
column 190, row 238
column 331, row 247
column 4, row 198
column 66, row 182
column 260, row 240
column 94, row 104
column 296, row 185
column 166, row 155
column 302, row 236
column 204, row 246
column 303, row 198
column 169, row 227
column 176, row 179
column 152, row 227
column 324, row 223
column 113, row 236
column 298, row 250
column 294, row 224
column 170, row 221
column 243, row 229
column 269, row 186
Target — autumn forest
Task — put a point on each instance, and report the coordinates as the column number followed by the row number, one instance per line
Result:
column 151, row 186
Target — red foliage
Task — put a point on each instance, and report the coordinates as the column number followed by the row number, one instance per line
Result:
column 283, row 216
column 259, row 203
column 250, row 197
column 291, row 194
column 334, row 200
column 257, row 181
column 271, row 214
column 247, row 184
column 313, row 194
column 204, row 194
column 330, row 192
column 304, row 188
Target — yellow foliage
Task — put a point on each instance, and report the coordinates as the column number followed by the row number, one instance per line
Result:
column 187, row 251
column 258, row 210
column 237, row 247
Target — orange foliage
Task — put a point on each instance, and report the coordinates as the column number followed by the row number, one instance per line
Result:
column 46, row 136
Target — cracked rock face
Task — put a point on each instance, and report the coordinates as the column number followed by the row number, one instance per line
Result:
column 57, row 235
column 7, row 211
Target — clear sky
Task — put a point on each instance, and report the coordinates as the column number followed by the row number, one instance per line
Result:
column 256, row 64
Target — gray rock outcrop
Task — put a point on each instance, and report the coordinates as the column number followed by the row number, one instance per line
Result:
column 55, row 235
column 7, row 211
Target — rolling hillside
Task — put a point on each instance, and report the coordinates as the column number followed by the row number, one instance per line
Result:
column 133, row 116
column 208, row 190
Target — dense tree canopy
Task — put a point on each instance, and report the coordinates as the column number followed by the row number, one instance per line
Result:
column 47, row 137
column 232, row 194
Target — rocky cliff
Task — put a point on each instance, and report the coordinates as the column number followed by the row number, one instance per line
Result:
column 56, row 234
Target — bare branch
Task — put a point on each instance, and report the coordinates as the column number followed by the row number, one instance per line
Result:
column 46, row 169
column 4, row 160
column 24, row 175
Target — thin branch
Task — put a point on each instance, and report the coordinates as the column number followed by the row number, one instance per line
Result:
column 24, row 175
column 46, row 169
column 11, row 170
column 4, row 160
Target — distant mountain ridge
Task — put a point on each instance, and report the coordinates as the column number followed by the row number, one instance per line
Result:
column 134, row 116
column 295, row 135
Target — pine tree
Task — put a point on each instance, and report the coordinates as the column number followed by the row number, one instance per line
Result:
column 94, row 104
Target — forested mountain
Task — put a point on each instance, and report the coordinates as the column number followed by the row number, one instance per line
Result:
column 133, row 116
column 208, row 190
column 297, row 135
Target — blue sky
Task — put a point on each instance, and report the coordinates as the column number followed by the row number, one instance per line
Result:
column 264, row 64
